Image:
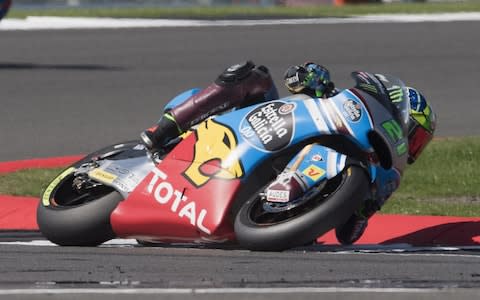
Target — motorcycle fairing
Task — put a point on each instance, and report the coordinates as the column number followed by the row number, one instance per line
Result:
column 386, row 98
column 317, row 164
column 294, row 126
column 166, row 205
column 174, row 201
column 124, row 175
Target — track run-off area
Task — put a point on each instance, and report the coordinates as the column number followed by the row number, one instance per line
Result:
column 71, row 91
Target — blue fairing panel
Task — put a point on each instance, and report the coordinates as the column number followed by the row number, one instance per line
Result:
column 317, row 163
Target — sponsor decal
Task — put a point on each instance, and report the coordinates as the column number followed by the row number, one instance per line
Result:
column 215, row 144
column 352, row 110
column 51, row 187
column 313, row 172
column 281, row 196
column 139, row 147
column 395, row 93
column 166, row 194
column 286, row 108
column 368, row 88
column 102, row 176
column 204, row 116
column 402, row 149
column 393, row 129
column 292, row 80
column 269, row 126
column 317, row 157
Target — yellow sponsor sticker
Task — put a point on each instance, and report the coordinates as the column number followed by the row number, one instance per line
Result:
column 102, row 176
column 48, row 191
column 313, row 172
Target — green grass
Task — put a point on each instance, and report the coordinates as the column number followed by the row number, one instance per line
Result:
column 444, row 181
column 27, row 182
column 224, row 12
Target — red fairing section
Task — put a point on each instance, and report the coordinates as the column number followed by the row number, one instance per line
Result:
column 166, row 206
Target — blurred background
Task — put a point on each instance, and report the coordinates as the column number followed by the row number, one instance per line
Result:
column 35, row 4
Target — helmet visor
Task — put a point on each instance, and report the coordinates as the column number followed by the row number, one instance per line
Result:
column 418, row 138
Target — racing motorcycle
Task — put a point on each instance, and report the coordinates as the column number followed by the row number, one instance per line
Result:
column 219, row 182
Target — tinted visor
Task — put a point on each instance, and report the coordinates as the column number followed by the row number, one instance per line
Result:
column 418, row 138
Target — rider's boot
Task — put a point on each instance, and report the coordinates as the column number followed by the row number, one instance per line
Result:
column 239, row 85
column 349, row 232
column 160, row 134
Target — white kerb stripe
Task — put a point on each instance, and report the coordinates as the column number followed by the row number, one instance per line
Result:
column 160, row 291
column 49, row 23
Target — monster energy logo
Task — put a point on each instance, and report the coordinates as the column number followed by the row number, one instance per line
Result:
column 368, row 87
column 395, row 93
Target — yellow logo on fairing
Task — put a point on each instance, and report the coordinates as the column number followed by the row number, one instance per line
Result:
column 215, row 143
column 102, row 176
column 313, row 172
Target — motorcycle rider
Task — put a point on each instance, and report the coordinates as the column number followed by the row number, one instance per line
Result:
column 421, row 127
column 245, row 84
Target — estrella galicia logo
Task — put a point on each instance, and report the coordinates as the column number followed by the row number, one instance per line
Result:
column 352, row 110
column 269, row 126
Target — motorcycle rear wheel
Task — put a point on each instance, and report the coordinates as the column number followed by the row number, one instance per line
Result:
column 257, row 229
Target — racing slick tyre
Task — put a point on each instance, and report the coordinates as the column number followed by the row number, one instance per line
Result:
column 258, row 229
column 69, row 218
column 86, row 224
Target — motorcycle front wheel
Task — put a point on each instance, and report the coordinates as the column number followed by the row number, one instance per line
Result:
column 258, row 229
column 69, row 218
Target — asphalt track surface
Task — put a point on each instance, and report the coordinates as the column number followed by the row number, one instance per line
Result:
column 70, row 92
